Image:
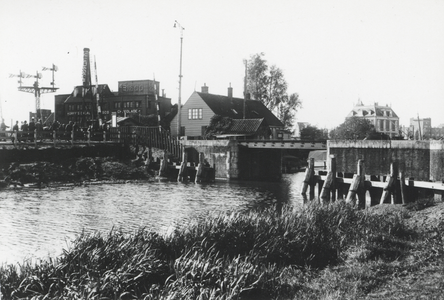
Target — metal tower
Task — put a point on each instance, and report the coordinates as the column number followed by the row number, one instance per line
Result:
column 35, row 88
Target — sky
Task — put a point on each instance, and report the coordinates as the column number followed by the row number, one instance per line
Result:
column 333, row 53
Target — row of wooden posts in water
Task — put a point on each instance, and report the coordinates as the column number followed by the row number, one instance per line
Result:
column 203, row 172
column 393, row 190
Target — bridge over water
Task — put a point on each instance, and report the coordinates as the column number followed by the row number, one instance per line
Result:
column 232, row 159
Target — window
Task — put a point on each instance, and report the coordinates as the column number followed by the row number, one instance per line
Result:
column 137, row 104
column 195, row 113
column 128, row 104
column 117, row 105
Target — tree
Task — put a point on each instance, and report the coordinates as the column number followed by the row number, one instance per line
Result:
column 356, row 128
column 313, row 133
column 257, row 77
column 217, row 125
column 268, row 84
column 277, row 88
column 287, row 110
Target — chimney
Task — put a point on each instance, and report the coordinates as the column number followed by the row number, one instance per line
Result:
column 230, row 92
column 205, row 89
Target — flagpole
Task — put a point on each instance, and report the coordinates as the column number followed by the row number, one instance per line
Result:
column 179, row 108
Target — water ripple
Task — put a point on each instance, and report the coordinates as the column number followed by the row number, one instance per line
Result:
column 40, row 223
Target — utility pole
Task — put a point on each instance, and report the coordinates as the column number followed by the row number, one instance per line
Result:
column 99, row 111
column 419, row 129
column 179, row 108
column 245, row 87
column 35, row 88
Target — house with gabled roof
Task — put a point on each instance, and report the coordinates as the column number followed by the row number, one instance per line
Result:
column 197, row 111
column 383, row 118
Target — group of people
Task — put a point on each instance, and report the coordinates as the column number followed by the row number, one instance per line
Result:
column 32, row 130
column 26, row 131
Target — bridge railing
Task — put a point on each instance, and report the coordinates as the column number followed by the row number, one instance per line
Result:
column 152, row 136
column 155, row 137
column 136, row 135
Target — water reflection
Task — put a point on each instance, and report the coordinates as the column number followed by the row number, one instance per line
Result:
column 36, row 223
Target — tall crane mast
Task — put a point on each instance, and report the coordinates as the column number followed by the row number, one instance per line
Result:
column 1, row 111
column 35, row 88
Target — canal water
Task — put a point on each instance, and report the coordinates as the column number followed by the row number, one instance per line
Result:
column 39, row 223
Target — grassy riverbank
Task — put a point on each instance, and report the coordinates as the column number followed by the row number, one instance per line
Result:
column 318, row 252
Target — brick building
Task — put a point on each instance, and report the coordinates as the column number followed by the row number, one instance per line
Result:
column 136, row 98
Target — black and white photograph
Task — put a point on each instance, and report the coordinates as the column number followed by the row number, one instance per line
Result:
column 223, row 150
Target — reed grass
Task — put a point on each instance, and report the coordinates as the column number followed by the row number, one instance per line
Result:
column 268, row 254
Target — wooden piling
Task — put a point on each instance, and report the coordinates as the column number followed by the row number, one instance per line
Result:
column 351, row 196
column 200, row 166
column 390, row 184
column 163, row 169
column 357, row 187
column 361, row 186
column 308, row 179
column 183, row 171
column 333, row 171
column 328, row 188
column 402, row 187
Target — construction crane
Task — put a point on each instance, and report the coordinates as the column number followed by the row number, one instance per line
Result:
column 35, row 88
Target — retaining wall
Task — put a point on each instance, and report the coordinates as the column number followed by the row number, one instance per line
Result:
column 232, row 161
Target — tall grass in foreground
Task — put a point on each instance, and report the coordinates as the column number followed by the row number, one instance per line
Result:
column 256, row 255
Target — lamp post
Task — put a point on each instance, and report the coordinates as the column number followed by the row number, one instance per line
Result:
column 179, row 108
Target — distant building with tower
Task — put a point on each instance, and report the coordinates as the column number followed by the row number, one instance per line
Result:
column 134, row 98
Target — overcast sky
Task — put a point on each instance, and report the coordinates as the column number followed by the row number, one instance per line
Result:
column 332, row 52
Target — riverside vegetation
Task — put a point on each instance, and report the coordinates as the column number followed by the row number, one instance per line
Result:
column 84, row 170
column 330, row 251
